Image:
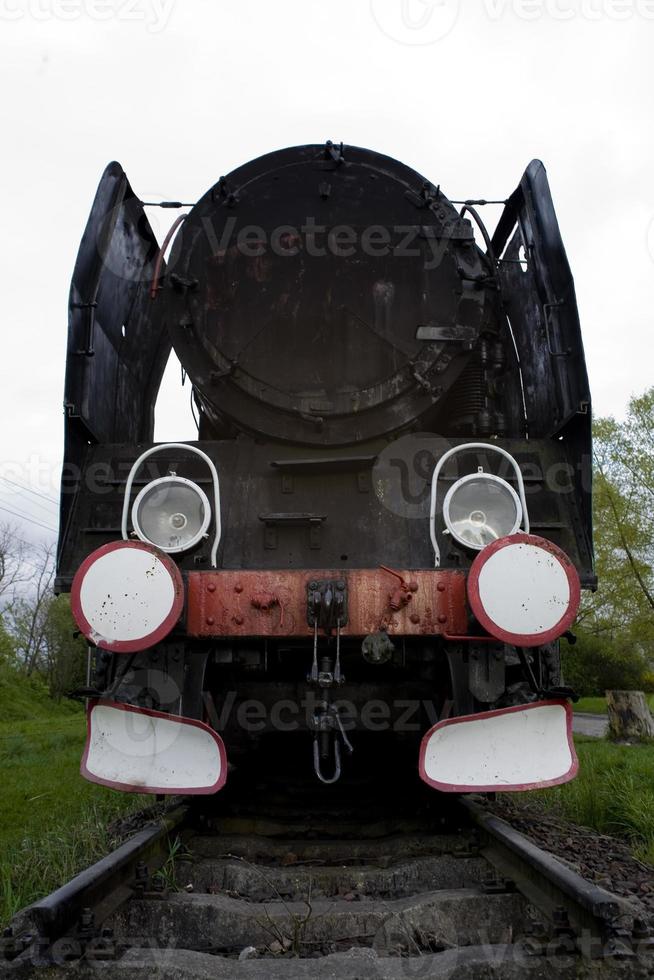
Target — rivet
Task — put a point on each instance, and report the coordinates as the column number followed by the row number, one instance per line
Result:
column 238, row 588
column 238, row 620
column 415, row 618
column 210, row 620
column 413, row 586
column 442, row 619
column 211, row 587
column 441, row 587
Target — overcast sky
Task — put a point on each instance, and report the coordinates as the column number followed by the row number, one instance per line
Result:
column 182, row 91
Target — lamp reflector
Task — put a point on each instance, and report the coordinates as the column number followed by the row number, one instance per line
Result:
column 171, row 513
column 481, row 508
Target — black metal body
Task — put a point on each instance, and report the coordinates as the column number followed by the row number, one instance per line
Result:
column 327, row 302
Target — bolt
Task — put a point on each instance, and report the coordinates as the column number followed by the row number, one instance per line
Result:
column 442, row 618
column 238, row 620
column 238, row 588
column 415, row 618
column 211, row 587
column 413, row 586
column 210, row 620
column 86, row 919
column 313, row 585
column 340, row 585
column 441, row 586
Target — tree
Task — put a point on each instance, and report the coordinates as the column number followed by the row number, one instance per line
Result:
column 623, row 607
column 13, row 568
column 64, row 651
column 598, row 663
column 26, row 615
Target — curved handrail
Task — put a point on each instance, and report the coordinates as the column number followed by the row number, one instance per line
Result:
column 434, row 488
column 216, row 489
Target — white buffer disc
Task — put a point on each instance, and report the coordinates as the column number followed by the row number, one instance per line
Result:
column 139, row 750
column 524, row 590
column 519, row 748
column 127, row 596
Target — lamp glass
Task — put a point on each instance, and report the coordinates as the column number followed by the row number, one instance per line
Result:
column 171, row 513
column 481, row 508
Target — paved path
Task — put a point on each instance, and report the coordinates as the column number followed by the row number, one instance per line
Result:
column 595, row 725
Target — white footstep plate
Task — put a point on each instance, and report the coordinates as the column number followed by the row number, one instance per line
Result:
column 512, row 749
column 127, row 596
column 138, row 750
column 524, row 590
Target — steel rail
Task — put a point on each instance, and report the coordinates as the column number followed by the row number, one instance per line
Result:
column 597, row 915
column 102, row 888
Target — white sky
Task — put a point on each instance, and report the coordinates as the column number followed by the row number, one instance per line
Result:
column 182, row 91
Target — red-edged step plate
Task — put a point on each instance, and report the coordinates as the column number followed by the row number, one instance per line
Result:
column 127, row 596
column 524, row 590
column 138, row 750
column 528, row 746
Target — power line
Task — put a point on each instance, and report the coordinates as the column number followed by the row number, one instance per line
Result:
column 24, row 514
column 37, row 493
column 32, row 503
column 30, row 520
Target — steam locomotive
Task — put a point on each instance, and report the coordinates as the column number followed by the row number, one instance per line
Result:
column 379, row 536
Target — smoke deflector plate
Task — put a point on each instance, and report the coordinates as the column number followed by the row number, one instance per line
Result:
column 139, row 750
column 524, row 747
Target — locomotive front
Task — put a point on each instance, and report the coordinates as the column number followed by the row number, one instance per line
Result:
column 382, row 529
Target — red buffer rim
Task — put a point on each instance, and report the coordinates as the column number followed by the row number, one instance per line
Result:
column 524, row 639
column 131, row 788
column 494, row 787
column 139, row 643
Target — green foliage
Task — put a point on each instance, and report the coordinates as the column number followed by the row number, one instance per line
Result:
column 599, row 663
column 616, row 624
column 52, row 822
column 613, row 792
column 27, row 699
column 6, row 646
column 65, row 654
column 623, row 607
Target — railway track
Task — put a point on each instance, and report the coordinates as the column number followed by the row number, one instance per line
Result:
column 329, row 892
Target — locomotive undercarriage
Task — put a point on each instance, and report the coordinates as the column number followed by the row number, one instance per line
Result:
column 338, row 700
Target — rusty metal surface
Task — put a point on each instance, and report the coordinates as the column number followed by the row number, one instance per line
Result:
column 410, row 603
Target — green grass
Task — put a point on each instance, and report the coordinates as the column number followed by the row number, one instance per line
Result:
column 597, row 706
column 52, row 822
column 613, row 793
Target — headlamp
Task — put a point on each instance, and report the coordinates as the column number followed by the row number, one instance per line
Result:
column 481, row 508
column 171, row 513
